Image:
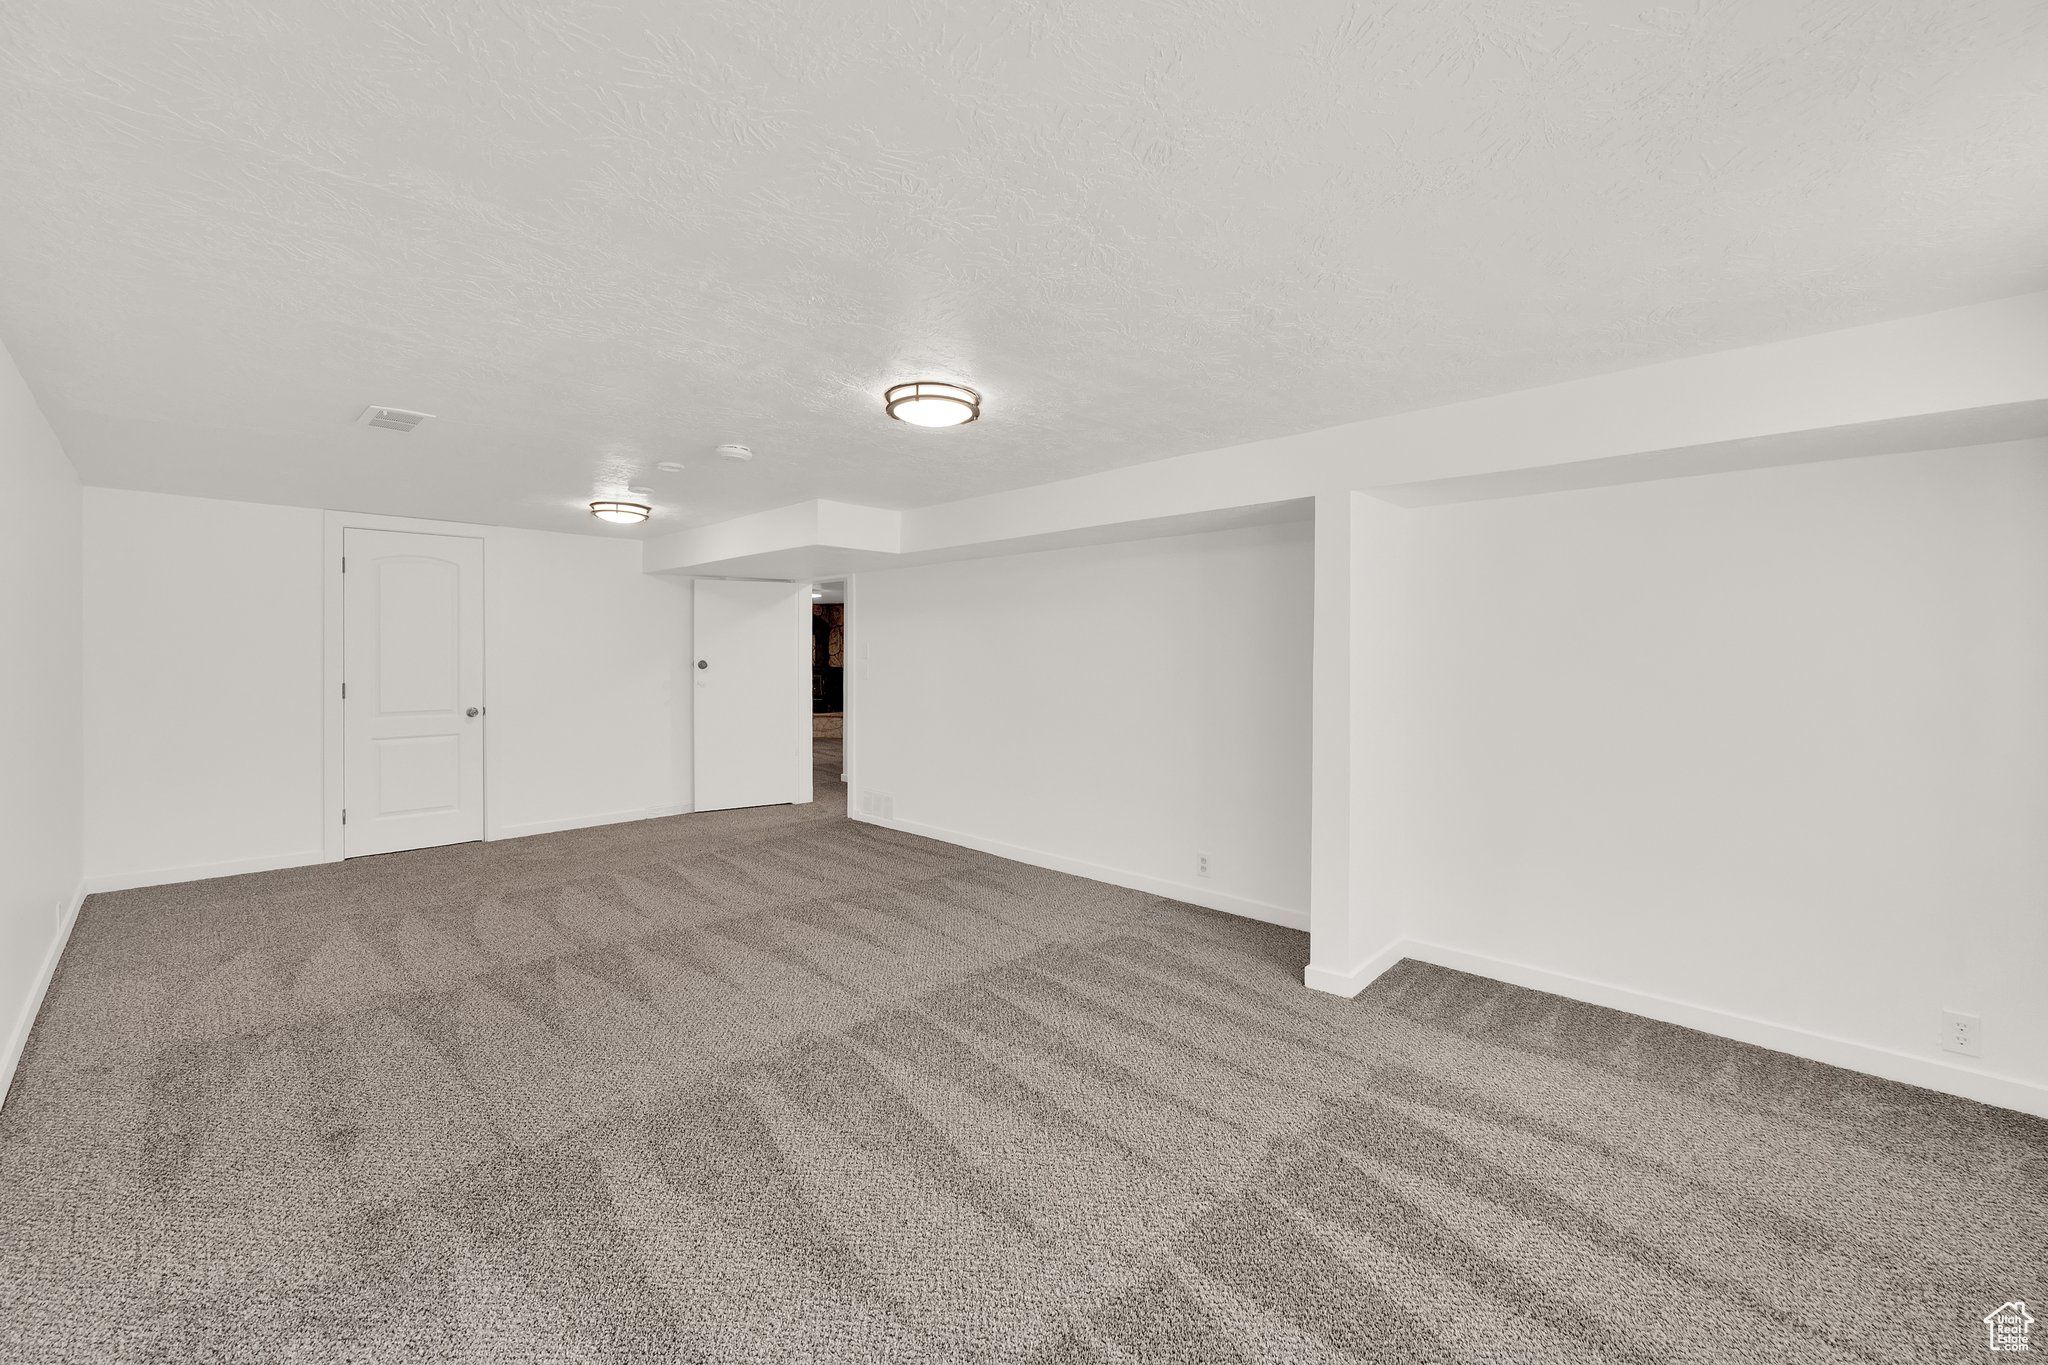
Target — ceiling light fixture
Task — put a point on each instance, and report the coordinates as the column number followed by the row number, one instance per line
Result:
column 670, row 467
column 926, row 403
column 616, row 509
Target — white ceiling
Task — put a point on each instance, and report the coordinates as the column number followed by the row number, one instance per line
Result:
column 595, row 236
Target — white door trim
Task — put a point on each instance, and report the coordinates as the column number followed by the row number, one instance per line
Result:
column 850, row 645
column 333, row 795
column 803, row 787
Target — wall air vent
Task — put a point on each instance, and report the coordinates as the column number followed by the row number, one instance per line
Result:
column 391, row 419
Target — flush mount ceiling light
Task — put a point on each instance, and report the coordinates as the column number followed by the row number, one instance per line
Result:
column 613, row 509
column 926, row 403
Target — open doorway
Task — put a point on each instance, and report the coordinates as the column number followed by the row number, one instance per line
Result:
column 828, row 683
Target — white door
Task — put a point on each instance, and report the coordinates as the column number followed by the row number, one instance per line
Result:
column 752, row 719
column 413, row 678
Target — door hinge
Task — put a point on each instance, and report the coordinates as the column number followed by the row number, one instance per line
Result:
column 344, row 815
column 344, row 691
column 344, row 563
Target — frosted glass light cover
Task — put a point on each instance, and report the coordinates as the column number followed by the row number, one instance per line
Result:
column 927, row 403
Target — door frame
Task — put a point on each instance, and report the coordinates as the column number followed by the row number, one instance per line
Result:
column 333, row 745
column 850, row 647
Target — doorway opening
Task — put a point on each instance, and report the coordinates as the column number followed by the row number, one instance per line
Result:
column 828, row 680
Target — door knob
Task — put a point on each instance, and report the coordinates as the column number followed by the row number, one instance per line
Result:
column 703, row 663
column 471, row 713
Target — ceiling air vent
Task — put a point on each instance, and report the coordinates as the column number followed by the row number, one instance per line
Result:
column 391, row 419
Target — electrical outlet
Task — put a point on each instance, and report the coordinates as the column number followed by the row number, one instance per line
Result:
column 1201, row 864
column 1962, row 1033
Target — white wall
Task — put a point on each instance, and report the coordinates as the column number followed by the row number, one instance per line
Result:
column 588, row 677
column 1361, row 734
column 1114, row 710
column 40, row 665
column 205, row 691
column 1774, row 744
column 203, row 686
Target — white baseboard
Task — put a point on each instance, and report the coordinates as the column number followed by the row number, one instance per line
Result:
column 199, row 872
column 17, row 1036
column 2007, row 1092
column 271, row 862
column 1349, row 981
column 1134, row 881
column 527, row 828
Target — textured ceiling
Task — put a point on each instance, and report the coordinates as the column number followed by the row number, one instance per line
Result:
column 591, row 237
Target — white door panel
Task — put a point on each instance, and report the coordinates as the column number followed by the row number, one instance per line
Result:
column 752, row 717
column 413, row 651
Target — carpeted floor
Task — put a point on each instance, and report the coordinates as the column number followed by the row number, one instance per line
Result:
column 772, row 1086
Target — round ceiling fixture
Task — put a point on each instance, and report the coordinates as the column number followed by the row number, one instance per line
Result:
column 670, row 467
column 926, row 403
column 619, row 510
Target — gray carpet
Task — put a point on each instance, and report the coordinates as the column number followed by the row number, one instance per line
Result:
column 773, row 1086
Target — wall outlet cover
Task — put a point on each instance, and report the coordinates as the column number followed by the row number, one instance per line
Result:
column 1962, row 1033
